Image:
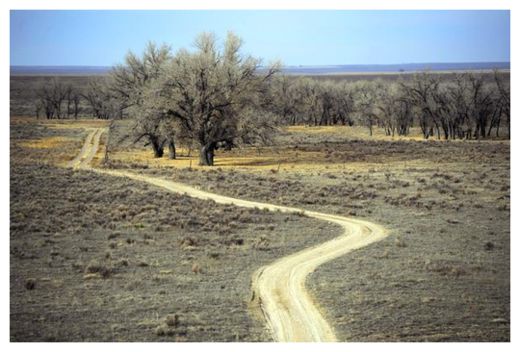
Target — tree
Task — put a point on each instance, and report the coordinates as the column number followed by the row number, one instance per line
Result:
column 343, row 104
column 284, row 100
column 99, row 95
column 58, row 93
column 504, row 92
column 38, row 107
column 51, row 97
column 394, row 111
column 419, row 92
column 45, row 101
column 308, row 101
column 365, row 103
column 216, row 97
column 73, row 100
column 482, row 103
column 133, row 84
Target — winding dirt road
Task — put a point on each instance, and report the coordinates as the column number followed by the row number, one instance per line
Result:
column 278, row 288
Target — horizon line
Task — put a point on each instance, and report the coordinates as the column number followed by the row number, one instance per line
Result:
column 312, row 65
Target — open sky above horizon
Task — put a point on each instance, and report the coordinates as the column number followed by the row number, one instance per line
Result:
column 296, row 37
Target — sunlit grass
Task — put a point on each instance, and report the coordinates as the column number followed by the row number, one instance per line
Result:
column 353, row 132
column 47, row 143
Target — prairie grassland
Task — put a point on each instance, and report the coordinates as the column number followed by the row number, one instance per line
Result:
column 306, row 149
column 98, row 258
column 443, row 273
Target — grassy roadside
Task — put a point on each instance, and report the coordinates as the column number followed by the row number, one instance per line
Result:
column 97, row 258
column 442, row 275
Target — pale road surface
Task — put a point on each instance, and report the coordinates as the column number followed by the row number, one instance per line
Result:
column 279, row 287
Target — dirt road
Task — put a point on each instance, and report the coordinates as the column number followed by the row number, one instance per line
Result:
column 88, row 151
column 278, row 288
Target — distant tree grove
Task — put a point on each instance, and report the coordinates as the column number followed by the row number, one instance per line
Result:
column 215, row 97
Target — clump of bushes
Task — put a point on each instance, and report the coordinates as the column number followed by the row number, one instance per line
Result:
column 95, row 267
column 30, row 284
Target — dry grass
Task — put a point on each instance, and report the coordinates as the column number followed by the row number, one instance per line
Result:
column 46, row 143
column 123, row 256
column 443, row 274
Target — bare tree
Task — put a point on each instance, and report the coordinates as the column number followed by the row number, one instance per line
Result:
column 365, row 103
column 100, row 97
column 58, row 94
column 420, row 93
column 481, row 103
column 38, row 107
column 504, row 100
column 76, row 99
column 45, row 101
column 73, row 99
column 133, row 84
column 51, row 96
column 211, row 92
column 284, row 100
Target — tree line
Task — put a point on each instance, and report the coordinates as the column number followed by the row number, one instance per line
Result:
column 467, row 106
column 215, row 97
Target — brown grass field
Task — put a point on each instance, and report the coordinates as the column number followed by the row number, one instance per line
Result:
column 98, row 258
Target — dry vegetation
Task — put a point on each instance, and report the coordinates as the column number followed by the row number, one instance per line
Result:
column 442, row 275
column 97, row 258
column 102, row 258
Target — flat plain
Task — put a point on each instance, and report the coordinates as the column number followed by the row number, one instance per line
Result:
column 103, row 258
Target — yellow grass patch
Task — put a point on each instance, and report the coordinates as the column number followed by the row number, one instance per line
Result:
column 353, row 132
column 47, row 143
column 60, row 124
column 246, row 160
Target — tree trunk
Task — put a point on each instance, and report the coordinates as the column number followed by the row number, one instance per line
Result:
column 158, row 149
column 172, row 152
column 483, row 130
column 76, row 109
column 207, row 153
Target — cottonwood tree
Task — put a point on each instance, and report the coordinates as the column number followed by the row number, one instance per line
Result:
column 482, row 103
column 365, row 103
column 38, row 107
column 216, row 96
column 395, row 112
column 504, row 99
column 284, row 99
column 134, row 86
column 419, row 92
column 100, row 96
column 51, row 96
column 73, row 99
column 343, row 96
column 309, row 92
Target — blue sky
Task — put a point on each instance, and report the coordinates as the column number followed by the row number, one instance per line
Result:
column 294, row 37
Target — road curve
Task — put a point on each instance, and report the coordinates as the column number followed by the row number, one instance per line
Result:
column 279, row 287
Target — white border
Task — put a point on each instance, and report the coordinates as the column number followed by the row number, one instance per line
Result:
column 7, row 5
column 259, row 4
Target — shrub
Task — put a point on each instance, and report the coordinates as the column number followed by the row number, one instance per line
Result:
column 97, row 268
column 30, row 284
column 172, row 320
